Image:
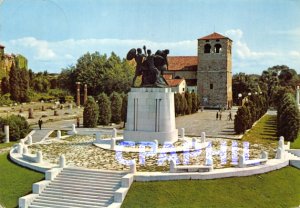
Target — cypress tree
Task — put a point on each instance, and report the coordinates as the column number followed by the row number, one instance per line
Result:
column 90, row 113
column 14, row 83
column 116, row 106
column 104, row 109
column 4, row 85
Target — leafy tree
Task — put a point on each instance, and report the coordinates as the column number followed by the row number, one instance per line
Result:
column 104, row 109
column 4, row 86
column 90, row 113
column 116, row 107
column 23, row 85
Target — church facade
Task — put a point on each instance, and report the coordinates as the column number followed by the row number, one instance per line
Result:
column 209, row 73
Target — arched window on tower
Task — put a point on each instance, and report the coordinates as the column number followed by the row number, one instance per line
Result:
column 207, row 48
column 218, row 48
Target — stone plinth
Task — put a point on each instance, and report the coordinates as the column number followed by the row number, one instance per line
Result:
column 151, row 115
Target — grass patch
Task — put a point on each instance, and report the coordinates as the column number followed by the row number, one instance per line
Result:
column 296, row 143
column 6, row 145
column 264, row 132
column 279, row 188
column 15, row 181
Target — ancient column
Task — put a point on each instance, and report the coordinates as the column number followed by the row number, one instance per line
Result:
column 85, row 94
column 6, row 131
column 30, row 113
column 78, row 94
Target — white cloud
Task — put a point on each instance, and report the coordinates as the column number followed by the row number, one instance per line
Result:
column 295, row 54
column 41, row 48
column 295, row 31
column 241, row 48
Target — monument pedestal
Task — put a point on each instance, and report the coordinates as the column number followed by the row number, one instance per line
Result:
column 151, row 115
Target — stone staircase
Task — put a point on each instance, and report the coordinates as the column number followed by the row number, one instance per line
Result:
column 83, row 188
column 294, row 160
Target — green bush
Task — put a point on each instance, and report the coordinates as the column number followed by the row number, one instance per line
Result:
column 5, row 99
column 116, row 106
column 104, row 109
column 90, row 113
column 18, row 127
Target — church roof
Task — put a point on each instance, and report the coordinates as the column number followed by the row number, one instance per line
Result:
column 174, row 82
column 183, row 63
column 168, row 76
column 213, row 36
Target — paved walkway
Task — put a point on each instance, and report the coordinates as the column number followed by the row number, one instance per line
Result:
column 206, row 122
column 39, row 135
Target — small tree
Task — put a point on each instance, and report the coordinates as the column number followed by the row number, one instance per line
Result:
column 14, row 83
column 4, row 86
column 90, row 113
column 124, row 108
column 104, row 109
column 177, row 103
column 194, row 102
column 189, row 101
column 116, row 106
column 242, row 120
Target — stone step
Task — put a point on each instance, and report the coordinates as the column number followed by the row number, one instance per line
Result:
column 78, row 192
column 81, row 201
column 87, row 180
column 94, row 172
column 92, row 191
column 60, row 204
column 80, row 175
column 78, row 195
column 85, row 185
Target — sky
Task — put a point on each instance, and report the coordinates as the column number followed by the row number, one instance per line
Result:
column 53, row 34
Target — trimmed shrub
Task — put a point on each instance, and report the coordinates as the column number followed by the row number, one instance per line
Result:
column 116, row 107
column 18, row 127
column 242, row 120
column 288, row 117
column 90, row 113
column 104, row 109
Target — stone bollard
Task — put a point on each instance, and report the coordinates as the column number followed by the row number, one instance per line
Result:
column 279, row 153
column 25, row 150
column 20, row 148
column 281, row 142
column 39, row 157
column 113, row 143
column 241, row 161
column 43, row 108
column 203, row 137
column 182, row 133
column 288, row 145
column 133, row 167
column 155, row 146
column 114, row 133
column 58, row 134
column 70, row 106
column 263, row 155
column 194, row 141
column 172, row 166
column 98, row 137
column 62, row 161
column 73, row 129
column 29, row 140
column 55, row 113
column 30, row 113
column 6, row 131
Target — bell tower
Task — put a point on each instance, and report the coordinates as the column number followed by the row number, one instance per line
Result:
column 214, row 73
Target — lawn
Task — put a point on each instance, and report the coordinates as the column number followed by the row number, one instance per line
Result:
column 15, row 181
column 264, row 132
column 279, row 188
column 296, row 143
